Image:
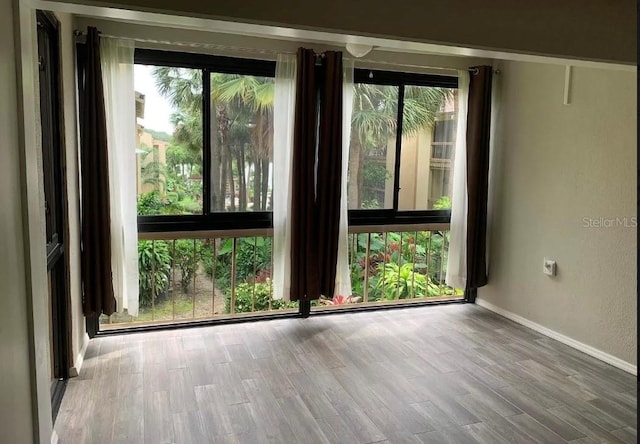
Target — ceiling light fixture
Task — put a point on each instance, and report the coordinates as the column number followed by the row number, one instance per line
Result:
column 358, row 50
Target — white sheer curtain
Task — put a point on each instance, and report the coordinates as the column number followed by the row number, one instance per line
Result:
column 283, row 122
column 343, row 274
column 119, row 98
column 456, row 276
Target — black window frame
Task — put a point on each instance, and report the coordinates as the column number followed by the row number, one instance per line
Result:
column 208, row 64
column 393, row 216
column 208, row 220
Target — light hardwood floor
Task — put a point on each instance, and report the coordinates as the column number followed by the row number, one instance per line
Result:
column 441, row 374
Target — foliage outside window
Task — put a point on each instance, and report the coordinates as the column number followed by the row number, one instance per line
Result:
column 402, row 143
column 213, row 158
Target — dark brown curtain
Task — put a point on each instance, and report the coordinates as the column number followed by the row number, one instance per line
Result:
column 329, row 170
column 97, row 285
column 478, row 125
column 315, row 205
column 305, row 273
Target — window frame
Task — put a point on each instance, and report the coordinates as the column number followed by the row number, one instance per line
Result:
column 208, row 64
column 209, row 220
column 393, row 216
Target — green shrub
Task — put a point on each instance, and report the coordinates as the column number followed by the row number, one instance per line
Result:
column 444, row 203
column 245, row 294
column 186, row 255
column 245, row 266
column 154, row 265
column 149, row 203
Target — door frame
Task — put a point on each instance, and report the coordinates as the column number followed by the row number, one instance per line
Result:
column 58, row 267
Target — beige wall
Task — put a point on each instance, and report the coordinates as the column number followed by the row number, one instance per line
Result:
column 583, row 29
column 79, row 335
column 188, row 40
column 147, row 142
column 557, row 165
column 15, row 370
column 415, row 160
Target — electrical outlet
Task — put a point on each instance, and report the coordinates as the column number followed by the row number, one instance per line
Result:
column 549, row 267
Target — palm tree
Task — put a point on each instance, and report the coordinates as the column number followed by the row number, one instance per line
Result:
column 245, row 105
column 243, row 115
column 243, row 127
column 374, row 123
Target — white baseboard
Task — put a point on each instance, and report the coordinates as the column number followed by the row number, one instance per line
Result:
column 75, row 370
column 591, row 351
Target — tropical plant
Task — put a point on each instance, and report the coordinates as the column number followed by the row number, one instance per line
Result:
column 242, row 125
column 186, row 255
column 402, row 282
column 183, row 162
column 153, row 172
column 444, row 203
column 154, row 265
column 339, row 300
column 241, row 130
column 149, row 203
column 255, row 297
column 253, row 259
column 374, row 122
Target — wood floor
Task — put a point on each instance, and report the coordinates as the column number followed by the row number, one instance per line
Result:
column 440, row 374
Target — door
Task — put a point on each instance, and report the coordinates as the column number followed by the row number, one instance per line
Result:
column 55, row 202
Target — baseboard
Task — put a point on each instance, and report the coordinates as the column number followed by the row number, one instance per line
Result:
column 591, row 351
column 54, row 437
column 75, row 370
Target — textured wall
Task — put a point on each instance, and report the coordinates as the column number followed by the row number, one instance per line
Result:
column 583, row 29
column 558, row 165
column 15, row 380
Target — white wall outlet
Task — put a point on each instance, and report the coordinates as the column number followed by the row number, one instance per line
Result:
column 549, row 267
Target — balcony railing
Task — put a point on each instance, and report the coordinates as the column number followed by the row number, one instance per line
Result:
column 187, row 276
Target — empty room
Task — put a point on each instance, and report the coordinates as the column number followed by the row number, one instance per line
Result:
column 318, row 222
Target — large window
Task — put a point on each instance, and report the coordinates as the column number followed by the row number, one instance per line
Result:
column 401, row 148
column 204, row 141
column 205, row 144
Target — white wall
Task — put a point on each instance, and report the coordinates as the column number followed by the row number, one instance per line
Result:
column 559, row 164
column 15, row 381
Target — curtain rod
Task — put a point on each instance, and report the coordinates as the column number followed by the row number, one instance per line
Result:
column 79, row 33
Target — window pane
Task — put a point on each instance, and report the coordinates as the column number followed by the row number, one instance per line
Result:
column 373, row 146
column 428, row 142
column 241, row 142
column 169, row 140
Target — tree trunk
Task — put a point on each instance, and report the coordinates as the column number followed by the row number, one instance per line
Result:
column 241, row 179
column 256, row 183
column 355, row 173
column 361, row 173
column 232, row 187
column 224, row 173
column 216, row 178
column 265, row 184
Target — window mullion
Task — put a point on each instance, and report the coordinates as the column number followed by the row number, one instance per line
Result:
column 396, row 176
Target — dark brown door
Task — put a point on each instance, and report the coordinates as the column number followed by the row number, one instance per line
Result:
column 55, row 201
